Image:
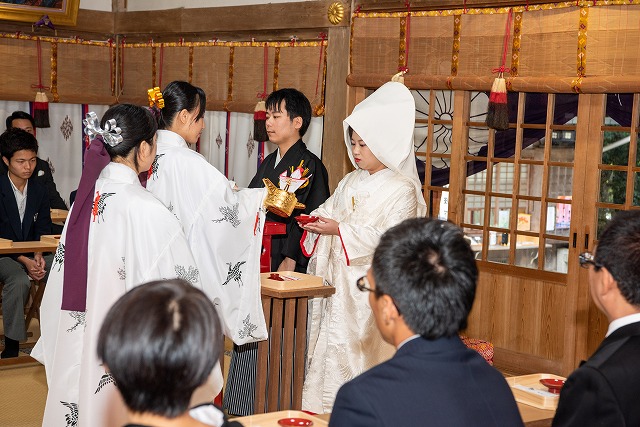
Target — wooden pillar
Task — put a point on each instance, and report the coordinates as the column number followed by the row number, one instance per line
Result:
column 334, row 151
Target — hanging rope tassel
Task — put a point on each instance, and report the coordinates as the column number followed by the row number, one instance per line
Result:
column 41, row 104
column 498, row 110
column 260, row 112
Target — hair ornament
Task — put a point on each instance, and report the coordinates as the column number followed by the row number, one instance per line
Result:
column 155, row 98
column 110, row 134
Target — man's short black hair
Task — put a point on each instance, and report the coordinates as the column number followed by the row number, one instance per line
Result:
column 160, row 341
column 429, row 269
column 618, row 251
column 20, row 115
column 296, row 103
column 15, row 139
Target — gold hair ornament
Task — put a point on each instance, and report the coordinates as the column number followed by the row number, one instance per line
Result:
column 155, row 97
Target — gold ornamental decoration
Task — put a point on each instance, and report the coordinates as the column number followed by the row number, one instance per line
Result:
column 280, row 202
column 335, row 13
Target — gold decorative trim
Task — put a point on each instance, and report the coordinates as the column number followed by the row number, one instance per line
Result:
column 190, row 64
column 297, row 43
column 575, row 85
column 54, row 71
column 74, row 40
column 230, row 82
column 153, row 66
column 276, row 69
column 335, row 13
column 319, row 109
column 582, row 42
column 351, row 37
column 515, row 47
column 402, row 49
column 455, row 49
column 496, row 10
column 112, row 57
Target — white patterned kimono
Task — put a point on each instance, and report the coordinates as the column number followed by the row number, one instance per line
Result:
column 343, row 338
column 132, row 239
column 224, row 230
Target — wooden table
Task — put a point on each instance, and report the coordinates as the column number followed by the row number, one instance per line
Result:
column 535, row 417
column 26, row 247
column 532, row 417
column 281, row 357
column 59, row 216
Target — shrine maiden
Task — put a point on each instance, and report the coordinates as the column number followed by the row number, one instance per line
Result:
column 118, row 236
column 382, row 191
column 223, row 226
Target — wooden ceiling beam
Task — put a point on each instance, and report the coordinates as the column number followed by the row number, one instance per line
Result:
column 398, row 5
column 277, row 21
column 291, row 17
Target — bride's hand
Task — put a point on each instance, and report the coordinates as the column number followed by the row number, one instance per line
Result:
column 323, row 226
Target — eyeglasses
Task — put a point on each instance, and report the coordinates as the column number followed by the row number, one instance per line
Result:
column 363, row 285
column 586, row 259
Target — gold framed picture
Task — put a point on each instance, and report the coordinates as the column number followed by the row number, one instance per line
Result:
column 60, row 12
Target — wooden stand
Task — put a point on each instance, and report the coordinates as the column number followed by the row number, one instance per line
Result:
column 281, row 358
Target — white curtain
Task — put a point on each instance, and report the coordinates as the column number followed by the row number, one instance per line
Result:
column 62, row 144
column 243, row 150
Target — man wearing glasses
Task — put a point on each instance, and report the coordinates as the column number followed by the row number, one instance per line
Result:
column 421, row 286
column 604, row 390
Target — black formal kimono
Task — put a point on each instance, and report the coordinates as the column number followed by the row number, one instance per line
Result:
column 312, row 196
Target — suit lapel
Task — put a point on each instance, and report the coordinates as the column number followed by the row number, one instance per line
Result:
column 30, row 211
column 613, row 342
column 10, row 205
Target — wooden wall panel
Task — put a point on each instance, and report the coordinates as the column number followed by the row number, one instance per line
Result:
column 20, row 68
column 211, row 72
column 172, row 64
column 430, row 45
column 546, row 31
column 481, row 44
column 519, row 315
column 137, row 77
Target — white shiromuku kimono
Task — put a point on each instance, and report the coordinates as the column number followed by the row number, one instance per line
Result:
column 224, row 229
column 132, row 239
column 343, row 338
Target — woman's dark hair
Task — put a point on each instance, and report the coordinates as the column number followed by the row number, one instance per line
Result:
column 178, row 96
column 160, row 341
column 15, row 139
column 136, row 124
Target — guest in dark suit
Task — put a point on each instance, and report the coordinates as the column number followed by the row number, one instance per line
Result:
column 421, row 286
column 604, row 390
column 42, row 173
column 24, row 216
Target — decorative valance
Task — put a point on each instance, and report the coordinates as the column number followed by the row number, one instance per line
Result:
column 105, row 72
column 577, row 46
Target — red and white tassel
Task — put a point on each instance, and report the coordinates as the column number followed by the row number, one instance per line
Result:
column 41, row 110
column 260, row 122
column 498, row 111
